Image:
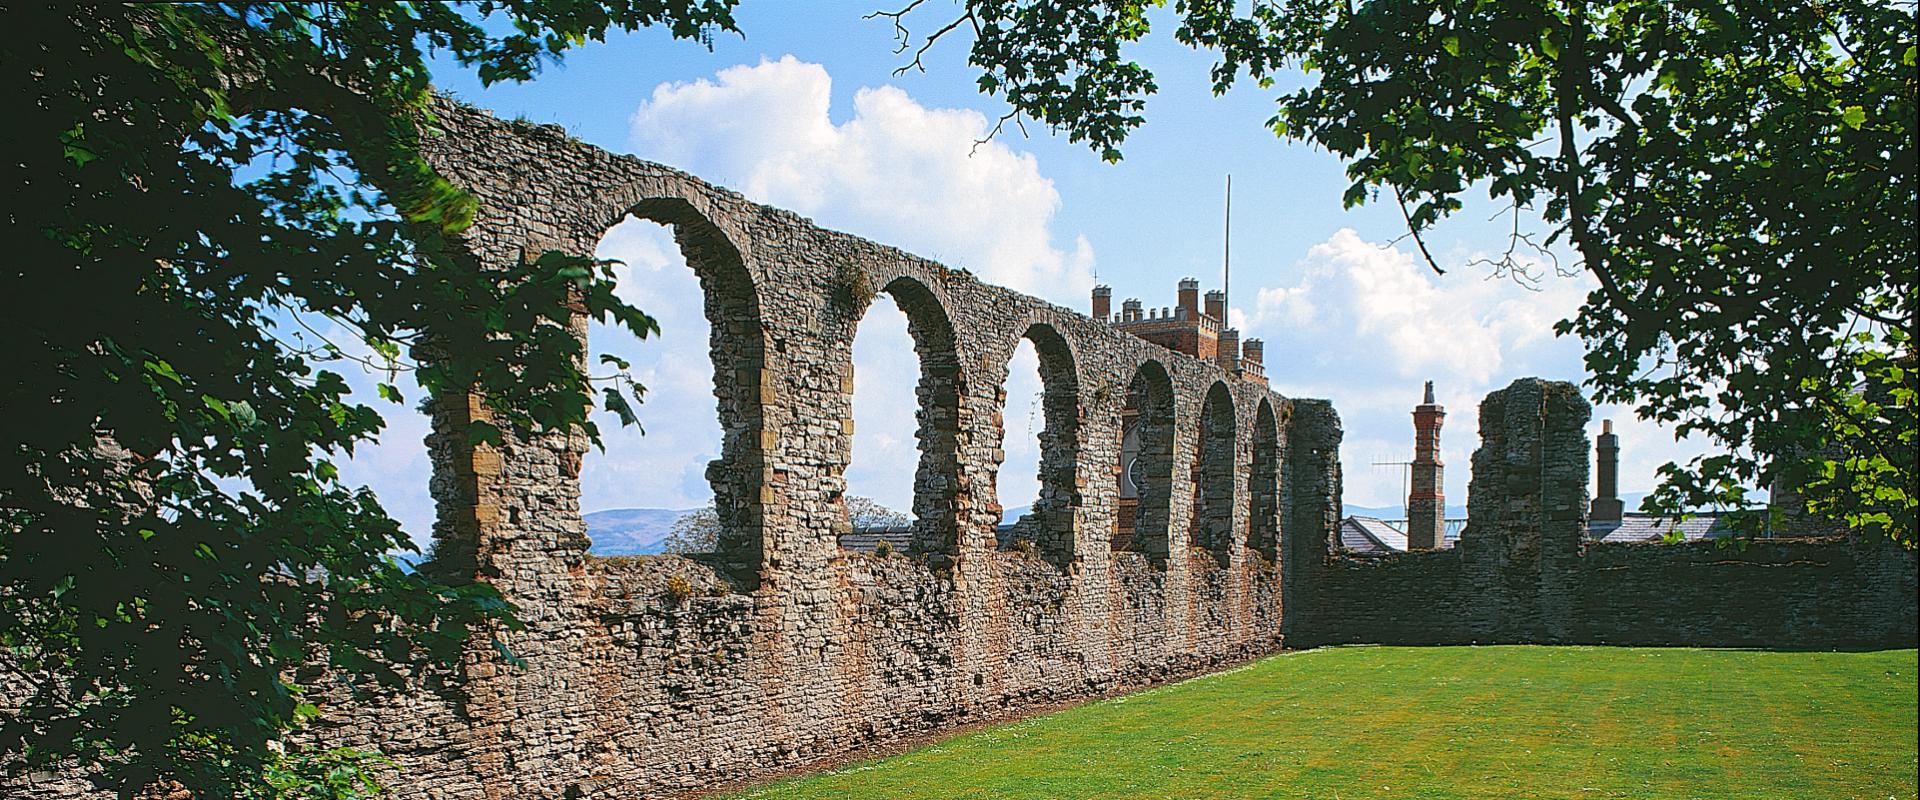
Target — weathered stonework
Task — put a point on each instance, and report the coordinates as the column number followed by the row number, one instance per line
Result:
column 1523, row 571
column 652, row 676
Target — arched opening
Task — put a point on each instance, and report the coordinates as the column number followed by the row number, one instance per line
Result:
column 1263, row 486
column 697, row 449
column 1213, row 476
column 884, row 412
column 1039, row 434
column 1145, row 470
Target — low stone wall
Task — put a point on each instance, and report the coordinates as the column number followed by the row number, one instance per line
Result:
column 1523, row 572
column 1778, row 593
column 663, row 680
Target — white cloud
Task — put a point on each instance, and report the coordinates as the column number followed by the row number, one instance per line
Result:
column 896, row 172
column 1364, row 325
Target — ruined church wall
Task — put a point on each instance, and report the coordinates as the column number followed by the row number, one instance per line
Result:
column 783, row 650
column 1523, row 572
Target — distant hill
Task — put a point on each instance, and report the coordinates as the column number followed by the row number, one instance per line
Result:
column 1395, row 512
column 1631, row 499
column 631, row 531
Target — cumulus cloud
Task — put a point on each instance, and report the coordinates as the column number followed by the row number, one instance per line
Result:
column 897, row 172
column 1364, row 325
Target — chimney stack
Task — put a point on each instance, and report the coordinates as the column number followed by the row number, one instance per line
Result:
column 1253, row 351
column 1606, row 502
column 1190, row 297
column 1130, row 310
column 1217, row 305
column 1427, row 501
column 1103, row 303
column 1229, row 356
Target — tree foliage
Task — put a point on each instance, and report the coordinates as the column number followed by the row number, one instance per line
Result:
column 866, row 513
column 696, row 531
column 217, row 204
column 1739, row 178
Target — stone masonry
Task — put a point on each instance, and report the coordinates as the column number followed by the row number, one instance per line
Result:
column 1523, row 571
column 657, row 676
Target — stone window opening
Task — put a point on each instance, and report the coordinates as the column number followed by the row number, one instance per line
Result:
column 1145, row 469
column 1044, row 418
column 1263, row 486
column 658, row 241
column 1213, row 476
column 936, row 415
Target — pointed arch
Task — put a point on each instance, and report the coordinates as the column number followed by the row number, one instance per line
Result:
column 1050, row 524
column 1145, row 471
column 1263, row 485
column 1213, row 475
column 937, row 393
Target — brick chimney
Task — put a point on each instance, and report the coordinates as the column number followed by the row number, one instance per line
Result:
column 1229, row 355
column 1190, row 297
column 1103, row 303
column 1427, row 501
column 1130, row 310
column 1606, row 501
column 1253, row 351
column 1217, row 305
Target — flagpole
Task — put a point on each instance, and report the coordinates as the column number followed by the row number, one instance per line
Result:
column 1226, row 258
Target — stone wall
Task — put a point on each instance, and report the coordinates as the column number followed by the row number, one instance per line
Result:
column 1523, row 571
column 656, row 675
column 653, row 676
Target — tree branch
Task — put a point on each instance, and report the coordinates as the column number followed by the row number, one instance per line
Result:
column 1415, row 232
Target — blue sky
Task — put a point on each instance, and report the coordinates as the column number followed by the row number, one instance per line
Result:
column 806, row 113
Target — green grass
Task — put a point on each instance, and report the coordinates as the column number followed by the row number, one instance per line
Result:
column 1380, row 722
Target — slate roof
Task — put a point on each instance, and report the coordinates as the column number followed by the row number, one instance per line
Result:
column 866, row 540
column 1370, row 535
column 1652, row 528
column 1374, row 535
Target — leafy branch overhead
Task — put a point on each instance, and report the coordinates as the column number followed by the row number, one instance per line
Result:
column 229, row 204
column 1739, row 180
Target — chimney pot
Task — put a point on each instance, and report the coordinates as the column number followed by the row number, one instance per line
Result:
column 1217, row 304
column 1606, row 505
column 1427, row 501
column 1189, row 297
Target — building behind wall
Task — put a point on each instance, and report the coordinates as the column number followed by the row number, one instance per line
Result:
column 1186, row 327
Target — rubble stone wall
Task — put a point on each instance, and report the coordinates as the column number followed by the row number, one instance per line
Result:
column 655, row 676
column 1523, row 571
column 651, row 676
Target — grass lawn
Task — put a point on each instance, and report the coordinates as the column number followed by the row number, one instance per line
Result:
column 1520, row 722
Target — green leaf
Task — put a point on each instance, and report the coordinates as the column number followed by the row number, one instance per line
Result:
column 1854, row 117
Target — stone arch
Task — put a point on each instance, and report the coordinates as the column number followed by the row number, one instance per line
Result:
column 938, row 392
column 1263, row 485
column 1050, row 525
column 1145, row 471
column 737, row 348
column 1213, row 475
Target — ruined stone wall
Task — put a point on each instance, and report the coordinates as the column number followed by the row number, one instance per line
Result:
column 655, row 675
column 1523, row 572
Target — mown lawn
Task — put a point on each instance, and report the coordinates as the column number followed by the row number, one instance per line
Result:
column 1519, row 722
